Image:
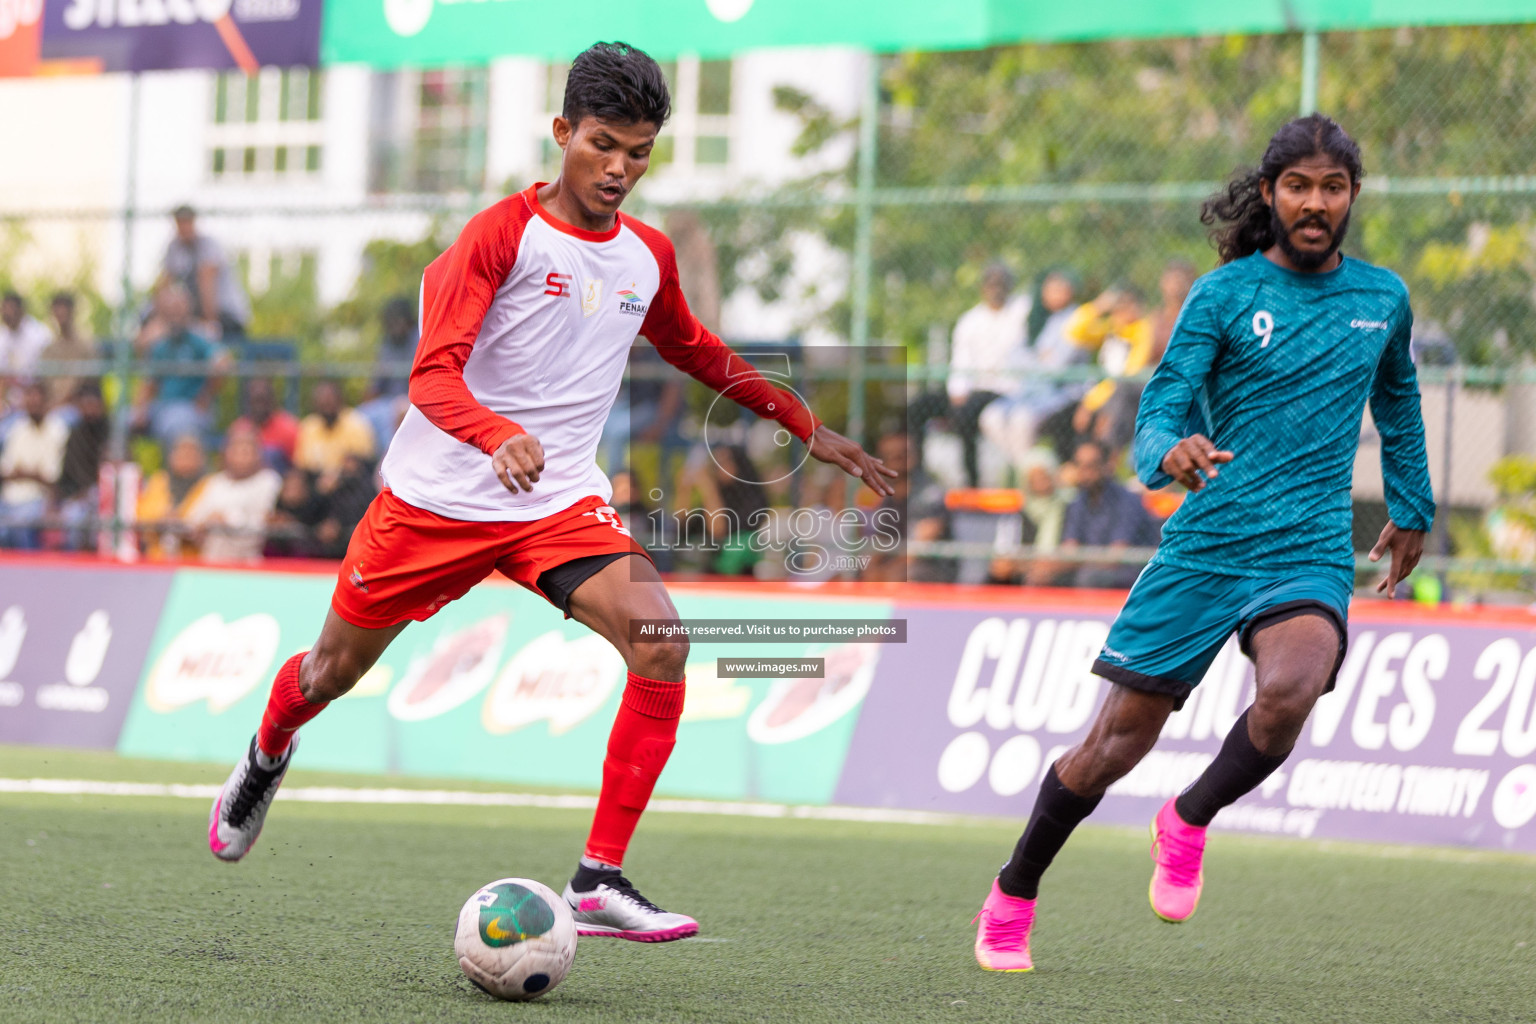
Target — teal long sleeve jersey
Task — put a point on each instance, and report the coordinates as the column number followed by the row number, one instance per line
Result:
column 1276, row 366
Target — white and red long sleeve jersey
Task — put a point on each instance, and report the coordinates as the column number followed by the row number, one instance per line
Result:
column 526, row 326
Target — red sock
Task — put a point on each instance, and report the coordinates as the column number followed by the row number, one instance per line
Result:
column 638, row 747
column 286, row 709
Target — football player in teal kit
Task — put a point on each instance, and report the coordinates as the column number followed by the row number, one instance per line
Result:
column 1256, row 409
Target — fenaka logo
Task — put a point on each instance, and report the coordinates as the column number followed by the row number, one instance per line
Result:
column 631, row 304
column 213, row 660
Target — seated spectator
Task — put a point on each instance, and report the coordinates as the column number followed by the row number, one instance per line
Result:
column 1104, row 515
column 77, row 493
column 345, row 497
column 388, row 393
column 277, row 429
column 331, row 433
column 1116, row 326
column 69, row 345
column 1173, row 287
column 915, row 512
column 987, row 342
column 291, row 528
column 167, row 495
column 180, row 401
column 30, row 461
column 1039, row 404
column 229, row 513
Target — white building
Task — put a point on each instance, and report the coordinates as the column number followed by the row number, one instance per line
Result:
column 293, row 165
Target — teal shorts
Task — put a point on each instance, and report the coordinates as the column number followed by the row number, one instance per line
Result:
column 1176, row 620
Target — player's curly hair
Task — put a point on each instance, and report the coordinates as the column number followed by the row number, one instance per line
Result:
column 1240, row 220
column 616, row 83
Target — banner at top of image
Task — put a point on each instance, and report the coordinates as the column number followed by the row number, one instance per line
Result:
column 155, row 35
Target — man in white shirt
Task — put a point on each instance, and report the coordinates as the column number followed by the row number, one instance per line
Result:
column 231, row 509
column 30, row 462
column 22, row 340
column 987, row 343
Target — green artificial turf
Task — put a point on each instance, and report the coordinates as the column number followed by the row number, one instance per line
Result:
column 113, row 910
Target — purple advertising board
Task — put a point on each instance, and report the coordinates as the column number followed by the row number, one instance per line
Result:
column 72, row 647
column 154, row 35
column 1429, row 736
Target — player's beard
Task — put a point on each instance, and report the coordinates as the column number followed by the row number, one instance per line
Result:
column 1304, row 259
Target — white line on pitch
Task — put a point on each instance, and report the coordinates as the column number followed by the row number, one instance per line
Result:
column 442, row 797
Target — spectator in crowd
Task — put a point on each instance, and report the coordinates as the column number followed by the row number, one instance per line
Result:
column 916, row 512
column 22, row 340
column 77, row 494
column 987, row 345
column 1104, row 515
column 69, row 345
column 176, row 401
column 196, row 262
column 1116, row 326
column 345, row 497
column 229, row 513
column 167, row 495
column 329, row 434
column 291, row 532
column 30, row 461
column 1173, row 287
column 1039, row 404
column 277, row 429
column 648, row 410
column 730, row 483
column 388, row 392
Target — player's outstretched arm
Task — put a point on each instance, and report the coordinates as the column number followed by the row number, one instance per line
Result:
column 1193, row 461
column 848, row 455
column 519, row 461
column 1406, row 546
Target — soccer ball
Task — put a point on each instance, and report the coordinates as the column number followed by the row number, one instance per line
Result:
column 515, row 938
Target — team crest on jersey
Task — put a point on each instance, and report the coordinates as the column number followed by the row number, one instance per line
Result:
column 591, row 296
column 631, row 303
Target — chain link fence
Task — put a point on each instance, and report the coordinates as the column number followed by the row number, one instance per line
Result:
column 1080, row 170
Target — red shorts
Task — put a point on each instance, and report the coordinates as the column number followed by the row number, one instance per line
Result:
column 404, row 562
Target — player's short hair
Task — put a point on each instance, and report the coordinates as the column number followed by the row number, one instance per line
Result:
column 616, row 83
column 1239, row 217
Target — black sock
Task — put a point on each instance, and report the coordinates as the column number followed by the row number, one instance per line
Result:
column 588, row 877
column 1238, row 769
column 1057, row 812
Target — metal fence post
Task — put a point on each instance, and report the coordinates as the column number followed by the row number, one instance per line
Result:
column 1309, row 71
column 863, row 245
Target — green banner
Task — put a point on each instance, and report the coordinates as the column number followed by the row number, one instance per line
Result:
column 393, row 33
column 496, row 686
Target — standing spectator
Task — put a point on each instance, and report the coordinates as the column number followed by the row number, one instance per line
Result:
column 30, row 461
column 167, row 495
column 228, row 516
column 388, row 396
column 1040, row 404
column 179, row 401
column 1173, row 287
column 83, row 454
column 1116, row 325
column 1105, row 515
column 987, row 344
column 331, row 433
column 69, row 345
column 196, row 262
column 22, row 340
column 297, row 513
column 277, row 429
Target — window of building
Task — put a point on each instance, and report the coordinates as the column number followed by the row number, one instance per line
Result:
column 699, row 135
column 430, row 130
column 267, row 125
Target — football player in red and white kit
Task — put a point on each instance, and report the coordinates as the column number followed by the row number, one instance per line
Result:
column 527, row 321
